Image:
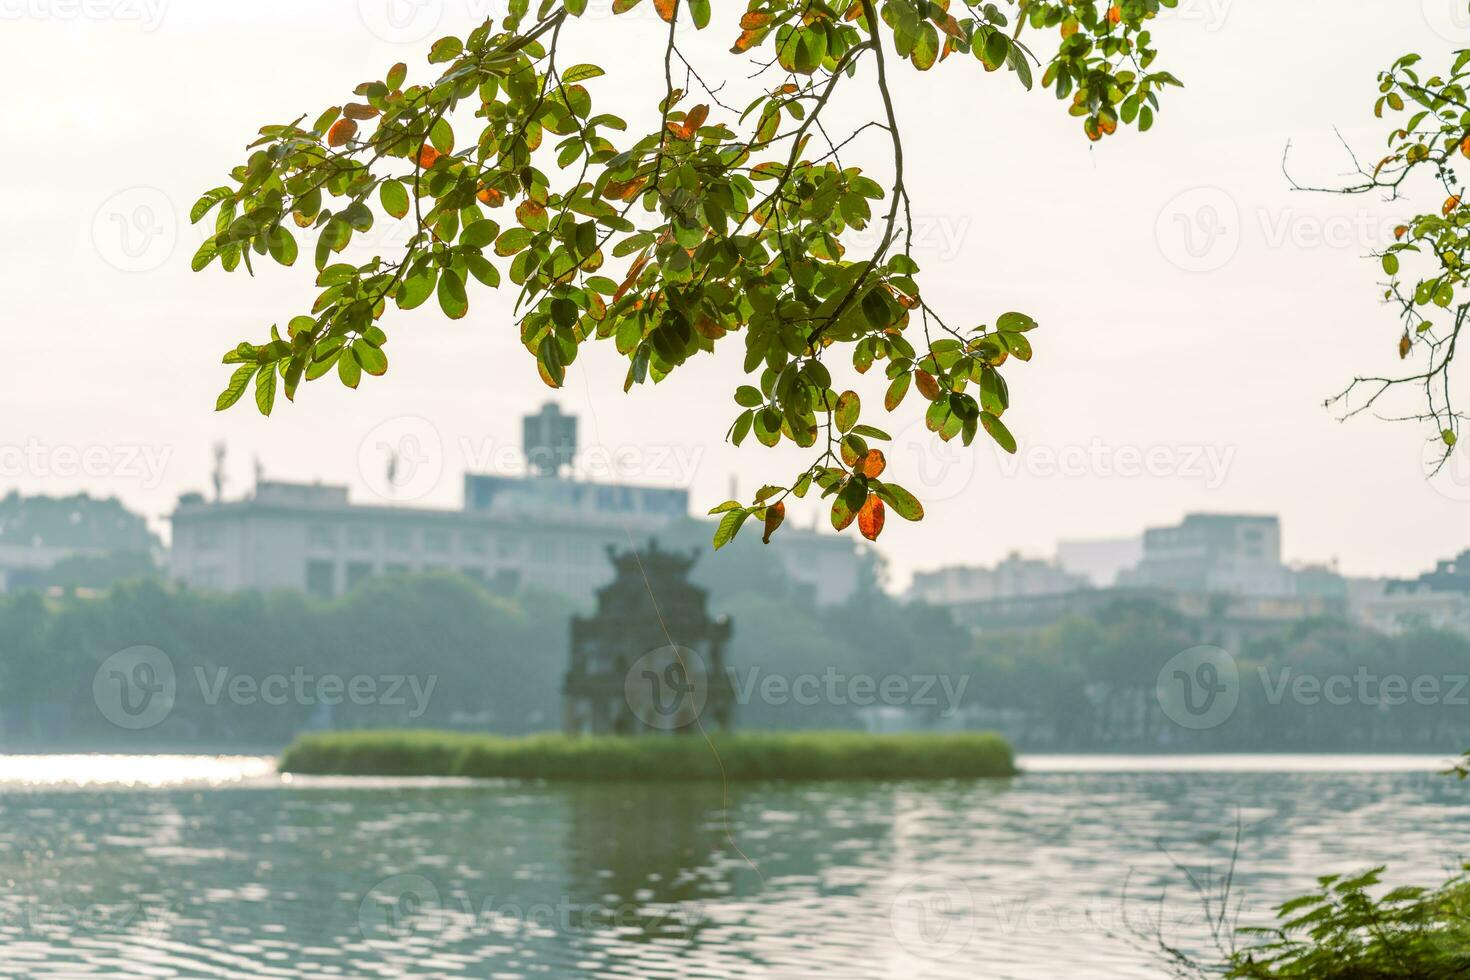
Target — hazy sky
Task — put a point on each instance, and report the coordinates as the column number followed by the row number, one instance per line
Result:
column 1195, row 312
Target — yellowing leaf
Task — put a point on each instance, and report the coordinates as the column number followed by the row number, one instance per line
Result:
column 775, row 514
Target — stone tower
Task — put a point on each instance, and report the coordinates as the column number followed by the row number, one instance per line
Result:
column 625, row 676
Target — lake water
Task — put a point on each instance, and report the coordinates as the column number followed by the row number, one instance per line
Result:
column 202, row 867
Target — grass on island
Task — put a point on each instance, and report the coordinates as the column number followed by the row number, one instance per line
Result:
column 747, row 756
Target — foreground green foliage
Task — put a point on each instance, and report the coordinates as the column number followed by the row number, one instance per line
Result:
column 1342, row 932
column 722, row 220
column 742, row 757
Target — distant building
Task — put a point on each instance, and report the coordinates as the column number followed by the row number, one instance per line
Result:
column 38, row 533
column 540, row 530
column 1320, row 580
column 1016, row 576
column 1435, row 600
column 1227, row 620
column 1215, row 554
column 1100, row 561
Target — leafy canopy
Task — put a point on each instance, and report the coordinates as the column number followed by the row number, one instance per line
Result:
column 1427, row 264
column 724, row 221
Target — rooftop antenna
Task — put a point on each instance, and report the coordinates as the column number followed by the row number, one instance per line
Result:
column 259, row 473
column 217, row 477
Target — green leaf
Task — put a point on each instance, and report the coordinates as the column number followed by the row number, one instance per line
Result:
column 238, row 382
column 479, row 234
column 564, row 313
column 998, row 432
column 848, row 407
column 372, row 359
column 1015, row 322
column 729, row 527
column 349, row 370
column 452, row 299
column 849, row 501
column 445, row 49
column 513, row 240
column 580, row 73
column 265, row 388
column 283, row 246
column 394, row 198
column 418, row 287
column 748, row 397
column 897, row 390
column 904, row 504
column 549, row 354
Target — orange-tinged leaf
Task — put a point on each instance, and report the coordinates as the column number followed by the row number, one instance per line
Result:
column 775, row 514
column 1115, row 14
column 691, row 123
column 665, row 9
column 928, row 387
column 708, row 328
column 873, row 464
column 1400, row 232
column 746, row 41
column 1465, row 146
column 427, row 156
column 622, row 189
column 342, row 130
column 754, row 19
column 356, row 110
column 1405, row 345
column 870, row 518
column 491, row 197
column 1452, row 202
column 633, row 271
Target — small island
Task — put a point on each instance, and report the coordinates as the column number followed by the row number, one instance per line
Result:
column 744, row 757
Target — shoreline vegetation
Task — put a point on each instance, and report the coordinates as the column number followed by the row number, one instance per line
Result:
column 742, row 757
